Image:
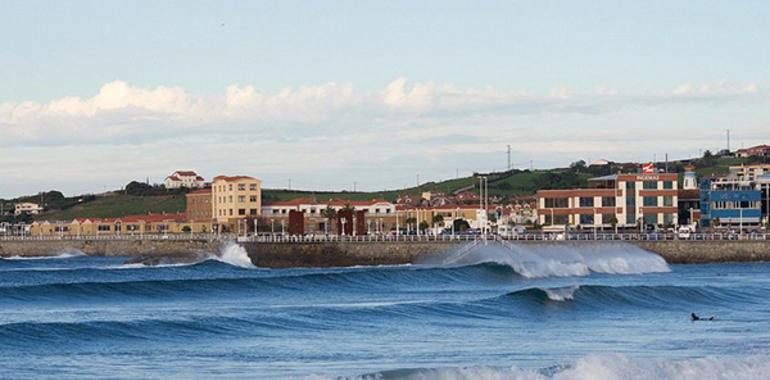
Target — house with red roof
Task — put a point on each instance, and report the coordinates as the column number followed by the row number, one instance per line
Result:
column 184, row 179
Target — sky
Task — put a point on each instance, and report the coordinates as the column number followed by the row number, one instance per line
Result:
column 372, row 95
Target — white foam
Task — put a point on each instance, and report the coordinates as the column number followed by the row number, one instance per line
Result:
column 535, row 260
column 61, row 255
column 561, row 294
column 603, row 367
column 234, row 254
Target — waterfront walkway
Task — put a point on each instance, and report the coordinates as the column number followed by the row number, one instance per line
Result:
column 277, row 238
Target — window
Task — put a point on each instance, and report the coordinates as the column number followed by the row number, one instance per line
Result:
column 668, row 185
column 556, row 203
column 651, row 219
column 230, row 187
column 162, row 227
column 241, row 198
column 275, row 211
column 668, row 201
column 649, row 185
column 241, row 211
column 586, row 219
column 253, row 211
column 252, row 198
column 668, row 219
column 230, row 198
column 103, row 227
column 607, row 218
column 376, row 211
column 557, row 219
column 608, row 201
column 231, row 212
column 586, row 201
column 630, row 185
column 253, row 186
column 241, row 187
column 651, row 201
column 745, row 204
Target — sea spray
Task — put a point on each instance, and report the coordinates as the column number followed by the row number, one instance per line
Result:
column 556, row 259
column 234, row 254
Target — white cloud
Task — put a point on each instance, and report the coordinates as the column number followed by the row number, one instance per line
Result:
column 334, row 131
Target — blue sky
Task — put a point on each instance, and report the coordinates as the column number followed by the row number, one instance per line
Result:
column 94, row 94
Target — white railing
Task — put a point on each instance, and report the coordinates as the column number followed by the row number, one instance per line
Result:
column 278, row 238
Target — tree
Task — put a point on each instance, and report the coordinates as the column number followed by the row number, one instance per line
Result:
column 411, row 220
column 614, row 223
column 186, row 229
column 580, row 164
column 707, row 154
column 438, row 219
column 329, row 213
column 424, row 225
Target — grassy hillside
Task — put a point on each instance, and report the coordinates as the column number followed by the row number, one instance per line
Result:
column 116, row 205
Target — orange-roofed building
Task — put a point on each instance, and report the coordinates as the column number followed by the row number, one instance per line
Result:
column 233, row 199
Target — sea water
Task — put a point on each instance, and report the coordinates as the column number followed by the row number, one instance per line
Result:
column 484, row 312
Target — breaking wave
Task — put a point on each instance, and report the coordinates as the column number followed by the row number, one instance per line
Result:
column 660, row 296
column 557, row 260
column 598, row 367
column 234, row 254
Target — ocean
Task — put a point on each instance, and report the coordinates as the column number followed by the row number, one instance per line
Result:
column 605, row 311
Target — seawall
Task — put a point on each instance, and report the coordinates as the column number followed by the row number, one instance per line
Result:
column 329, row 254
column 27, row 248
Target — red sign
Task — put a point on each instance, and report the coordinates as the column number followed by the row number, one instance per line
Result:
column 648, row 168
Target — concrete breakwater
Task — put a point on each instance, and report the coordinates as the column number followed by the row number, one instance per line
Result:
column 31, row 248
column 330, row 254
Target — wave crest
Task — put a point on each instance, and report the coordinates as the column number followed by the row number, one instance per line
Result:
column 557, row 259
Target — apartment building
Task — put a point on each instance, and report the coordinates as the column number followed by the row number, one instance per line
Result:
column 621, row 199
column 730, row 203
column 748, row 172
column 234, row 198
column 198, row 205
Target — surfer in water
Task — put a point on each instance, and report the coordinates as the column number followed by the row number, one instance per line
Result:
column 694, row 317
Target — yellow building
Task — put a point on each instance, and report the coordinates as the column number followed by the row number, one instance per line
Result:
column 235, row 198
column 149, row 224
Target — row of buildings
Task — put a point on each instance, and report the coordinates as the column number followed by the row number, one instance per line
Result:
column 738, row 199
column 233, row 204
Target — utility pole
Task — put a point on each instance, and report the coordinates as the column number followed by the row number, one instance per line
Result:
column 509, row 157
column 666, row 162
column 354, row 186
column 728, row 141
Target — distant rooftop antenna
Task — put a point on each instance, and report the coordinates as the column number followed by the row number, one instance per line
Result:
column 509, row 157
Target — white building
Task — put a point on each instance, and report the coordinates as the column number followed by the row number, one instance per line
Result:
column 27, row 208
column 184, row 178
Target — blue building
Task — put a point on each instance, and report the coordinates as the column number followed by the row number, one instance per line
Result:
column 729, row 204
